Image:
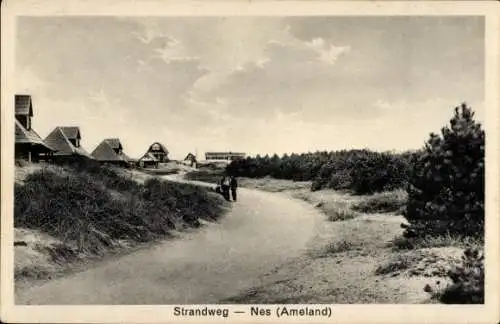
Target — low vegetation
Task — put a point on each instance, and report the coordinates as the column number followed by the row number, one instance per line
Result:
column 90, row 208
column 385, row 202
column 359, row 171
column 467, row 281
column 210, row 176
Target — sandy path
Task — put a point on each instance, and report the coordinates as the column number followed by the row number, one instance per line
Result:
column 262, row 231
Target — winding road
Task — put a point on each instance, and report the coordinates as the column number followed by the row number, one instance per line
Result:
column 261, row 231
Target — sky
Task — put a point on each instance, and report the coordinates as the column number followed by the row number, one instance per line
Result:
column 259, row 85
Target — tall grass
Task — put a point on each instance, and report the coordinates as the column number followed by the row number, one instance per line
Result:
column 79, row 207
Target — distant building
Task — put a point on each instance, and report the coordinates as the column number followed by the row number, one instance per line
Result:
column 66, row 140
column 159, row 151
column 148, row 160
column 224, row 156
column 111, row 151
column 191, row 159
column 28, row 144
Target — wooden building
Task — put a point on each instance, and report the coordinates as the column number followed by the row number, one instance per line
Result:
column 159, row 151
column 191, row 160
column 110, row 151
column 148, row 160
column 28, row 144
column 66, row 140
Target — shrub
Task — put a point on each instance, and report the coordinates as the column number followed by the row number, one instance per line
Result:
column 446, row 186
column 364, row 171
column 386, row 202
column 429, row 241
column 396, row 264
column 297, row 167
column 467, row 281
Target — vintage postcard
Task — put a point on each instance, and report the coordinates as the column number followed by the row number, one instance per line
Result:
column 250, row 161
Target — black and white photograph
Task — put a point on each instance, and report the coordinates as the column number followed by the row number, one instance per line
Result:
column 263, row 165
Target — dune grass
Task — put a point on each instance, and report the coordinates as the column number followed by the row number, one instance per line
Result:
column 92, row 210
column 384, row 202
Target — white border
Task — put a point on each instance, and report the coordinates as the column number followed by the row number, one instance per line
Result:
column 487, row 313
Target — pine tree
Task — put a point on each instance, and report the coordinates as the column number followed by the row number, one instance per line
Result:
column 446, row 190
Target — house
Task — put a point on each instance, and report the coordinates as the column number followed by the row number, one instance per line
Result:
column 111, row 151
column 223, row 156
column 28, row 144
column 148, row 160
column 191, row 159
column 66, row 140
column 159, row 151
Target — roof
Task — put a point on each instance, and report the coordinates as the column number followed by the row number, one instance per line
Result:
column 60, row 141
column 114, row 143
column 162, row 147
column 23, row 105
column 71, row 132
column 29, row 136
column 148, row 157
column 189, row 155
column 105, row 151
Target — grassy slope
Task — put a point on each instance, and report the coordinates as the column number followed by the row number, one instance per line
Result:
column 105, row 213
column 353, row 258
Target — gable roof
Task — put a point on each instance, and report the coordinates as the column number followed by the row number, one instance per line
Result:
column 58, row 140
column 114, row 143
column 71, row 132
column 162, row 147
column 189, row 156
column 105, row 151
column 23, row 105
column 22, row 135
column 148, row 157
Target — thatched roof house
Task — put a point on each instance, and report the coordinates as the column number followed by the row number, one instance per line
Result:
column 111, row 151
column 191, row 159
column 66, row 140
column 159, row 151
column 28, row 144
column 148, row 160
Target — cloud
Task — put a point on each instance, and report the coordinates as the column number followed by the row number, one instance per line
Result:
column 250, row 83
column 327, row 53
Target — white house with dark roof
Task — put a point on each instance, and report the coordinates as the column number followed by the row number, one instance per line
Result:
column 28, row 144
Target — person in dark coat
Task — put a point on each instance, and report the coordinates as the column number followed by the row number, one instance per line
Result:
column 224, row 184
column 233, row 183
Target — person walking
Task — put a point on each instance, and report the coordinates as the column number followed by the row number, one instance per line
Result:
column 225, row 183
column 233, row 183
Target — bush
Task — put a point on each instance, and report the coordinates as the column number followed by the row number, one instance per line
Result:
column 364, row 171
column 467, row 281
column 361, row 171
column 297, row 167
column 446, row 185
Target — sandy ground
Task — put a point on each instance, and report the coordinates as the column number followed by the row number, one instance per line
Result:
column 340, row 269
